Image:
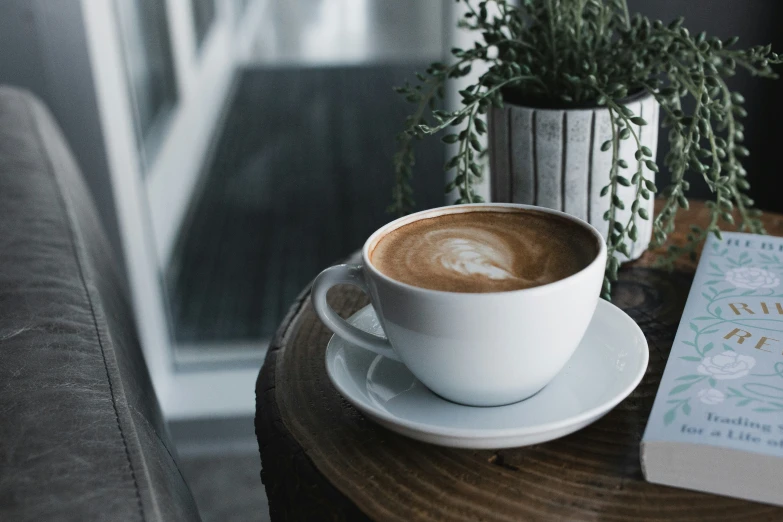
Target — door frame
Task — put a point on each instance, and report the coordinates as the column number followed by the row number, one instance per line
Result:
column 150, row 207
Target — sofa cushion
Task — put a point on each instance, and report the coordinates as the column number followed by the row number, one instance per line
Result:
column 81, row 435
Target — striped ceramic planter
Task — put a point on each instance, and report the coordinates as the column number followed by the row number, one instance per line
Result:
column 553, row 158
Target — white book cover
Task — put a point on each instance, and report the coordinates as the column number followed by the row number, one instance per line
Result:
column 717, row 421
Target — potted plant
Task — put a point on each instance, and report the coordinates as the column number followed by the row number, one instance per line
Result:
column 574, row 87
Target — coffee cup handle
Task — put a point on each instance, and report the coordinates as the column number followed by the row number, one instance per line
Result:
column 351, row 275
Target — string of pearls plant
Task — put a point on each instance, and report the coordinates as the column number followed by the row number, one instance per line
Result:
column 570, row 52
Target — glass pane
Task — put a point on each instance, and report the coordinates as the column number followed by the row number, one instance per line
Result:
column 240, row 9
column 203, row 16
column 149, row 67
column 321, row 32
column 301, row 168
column 299, row 181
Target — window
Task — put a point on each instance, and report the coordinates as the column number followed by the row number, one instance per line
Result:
column 203, row 16
column 149, row 68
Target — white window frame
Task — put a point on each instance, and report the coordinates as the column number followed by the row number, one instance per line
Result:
column 150, row 208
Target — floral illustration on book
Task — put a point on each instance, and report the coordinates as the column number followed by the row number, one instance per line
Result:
column 729, row 373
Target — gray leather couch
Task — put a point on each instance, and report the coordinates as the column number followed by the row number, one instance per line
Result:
column 81, row 435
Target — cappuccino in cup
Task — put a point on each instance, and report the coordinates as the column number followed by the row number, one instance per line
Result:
column 485, row 251
column 483, row 303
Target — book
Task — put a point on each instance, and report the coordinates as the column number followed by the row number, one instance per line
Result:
column 717, row 421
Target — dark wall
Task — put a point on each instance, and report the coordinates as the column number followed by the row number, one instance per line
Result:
column 43, row 48
column 754, row 22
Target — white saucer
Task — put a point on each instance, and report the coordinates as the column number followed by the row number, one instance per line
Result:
column 606, row 367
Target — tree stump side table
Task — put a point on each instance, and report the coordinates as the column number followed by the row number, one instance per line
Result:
column 322, row 460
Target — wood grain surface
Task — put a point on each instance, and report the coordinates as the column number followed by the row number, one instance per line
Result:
column 322, row 460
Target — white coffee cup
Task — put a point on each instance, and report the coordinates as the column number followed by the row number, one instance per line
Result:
column 478, row 349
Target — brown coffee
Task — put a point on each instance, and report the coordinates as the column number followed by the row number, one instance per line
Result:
column 485, row 251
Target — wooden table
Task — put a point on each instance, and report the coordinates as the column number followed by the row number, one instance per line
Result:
column 322, row 460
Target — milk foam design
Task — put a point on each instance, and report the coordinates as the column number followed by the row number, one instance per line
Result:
column 484, row 251
column 471, row 252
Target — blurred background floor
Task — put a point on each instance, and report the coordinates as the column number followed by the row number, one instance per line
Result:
column 222, row 466
column 227, row 487
column 297, row 181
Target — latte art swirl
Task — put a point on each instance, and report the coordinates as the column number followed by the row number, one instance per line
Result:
column 469, row 252
column 484, row 251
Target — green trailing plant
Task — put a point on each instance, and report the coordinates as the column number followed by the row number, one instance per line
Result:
column 569, row 53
